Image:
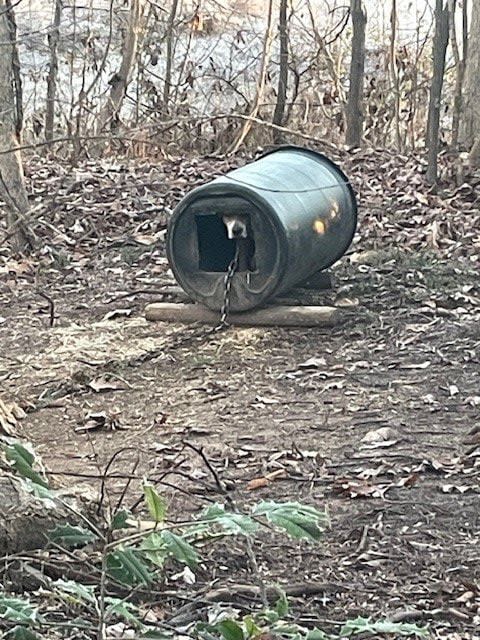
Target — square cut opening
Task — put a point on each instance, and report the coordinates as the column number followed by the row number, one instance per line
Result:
column 216, row 250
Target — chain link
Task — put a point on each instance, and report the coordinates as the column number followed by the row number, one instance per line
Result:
column 199, row 334
column 232, row 268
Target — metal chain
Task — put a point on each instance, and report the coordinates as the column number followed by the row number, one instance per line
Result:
column 201, row 333
column 225, row 310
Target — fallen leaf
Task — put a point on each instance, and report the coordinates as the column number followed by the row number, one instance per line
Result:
column 257, row 483
column 413, row 365
column 264, row 400
column 10, row 414
column 100, row 420
column 379, row 435
column 423, row 199
column 117, row 313
column 313, row 363
column 452, row 488
column 104, row 383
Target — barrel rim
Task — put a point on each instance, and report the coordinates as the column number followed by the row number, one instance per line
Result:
column 218, row 188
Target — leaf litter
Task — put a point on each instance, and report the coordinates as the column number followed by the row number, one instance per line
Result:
column 375, row 419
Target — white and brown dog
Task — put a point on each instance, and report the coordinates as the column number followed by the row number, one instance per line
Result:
column 236, row 226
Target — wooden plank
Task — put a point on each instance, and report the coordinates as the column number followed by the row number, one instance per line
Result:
column 283, row 316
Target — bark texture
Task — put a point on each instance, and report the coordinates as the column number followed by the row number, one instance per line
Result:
column 12, row 183
column 53, row 38
column 470, row 120
column 279, row 113
column 121, row 79
column 354, row 113
column 440, row 42
column 26, row 520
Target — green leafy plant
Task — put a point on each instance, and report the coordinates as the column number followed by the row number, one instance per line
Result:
column 155, row 503
column 22, row 460
column 70, row 536
column 366, row 625
column 272, row 623
column 17, row 610
column 298, row 520
column 130, row 557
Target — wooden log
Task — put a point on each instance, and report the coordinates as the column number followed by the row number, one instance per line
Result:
column 25, row 520
column 282, row 316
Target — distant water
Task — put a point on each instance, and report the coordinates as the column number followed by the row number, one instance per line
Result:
column 218, row 55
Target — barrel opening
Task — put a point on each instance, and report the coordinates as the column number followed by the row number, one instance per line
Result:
column 216, row 250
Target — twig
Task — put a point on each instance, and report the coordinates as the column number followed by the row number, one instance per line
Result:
column 127, row 485
column 201, row 453
column 294, row 590
column 363, row 540
column 51, row 307
column 105, row 474
column 256, row 571
column 100, row 602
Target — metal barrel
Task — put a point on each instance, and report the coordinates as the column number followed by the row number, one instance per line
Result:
column 300, row 214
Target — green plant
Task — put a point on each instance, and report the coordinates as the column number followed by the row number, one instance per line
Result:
column 274, row 623
column 124, row 557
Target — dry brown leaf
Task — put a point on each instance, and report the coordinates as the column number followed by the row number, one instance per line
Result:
column 257, row 483
column 100, row 420
column 10, row 414
column 104, row 383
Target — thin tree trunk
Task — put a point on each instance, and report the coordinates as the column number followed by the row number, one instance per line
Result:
column 459, row 72
column 169, row 59
column 470, row 120
column 394, row 74
column 12, row 184
column 53, row 38
column 354, row 111
column 440, row 42
column 333, row 66
column 267, row 45
column 17, row 76
column 279, row 112
column 121, row 79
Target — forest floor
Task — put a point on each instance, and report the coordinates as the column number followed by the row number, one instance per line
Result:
column 376, row 420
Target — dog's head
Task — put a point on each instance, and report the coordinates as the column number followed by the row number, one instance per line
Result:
column 236, row 226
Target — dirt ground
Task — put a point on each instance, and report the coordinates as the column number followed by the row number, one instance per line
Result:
column 376, row 420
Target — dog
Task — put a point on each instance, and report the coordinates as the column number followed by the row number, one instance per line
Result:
column 238, row 229
column 236, row 226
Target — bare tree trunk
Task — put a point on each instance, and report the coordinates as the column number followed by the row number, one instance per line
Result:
column 459, row 73
column 333, row 66
column 169, row 59
column 17, row 76
column 440, row 42
column 53, row 38
column 394, row 74
column 12, row 184
column 279, row 112
column 470, row 121
column 267, row 45
column 354, row 111
column 121, row 79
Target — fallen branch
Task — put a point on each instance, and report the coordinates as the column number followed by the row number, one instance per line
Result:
column 235, row 591
column 295, row 316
